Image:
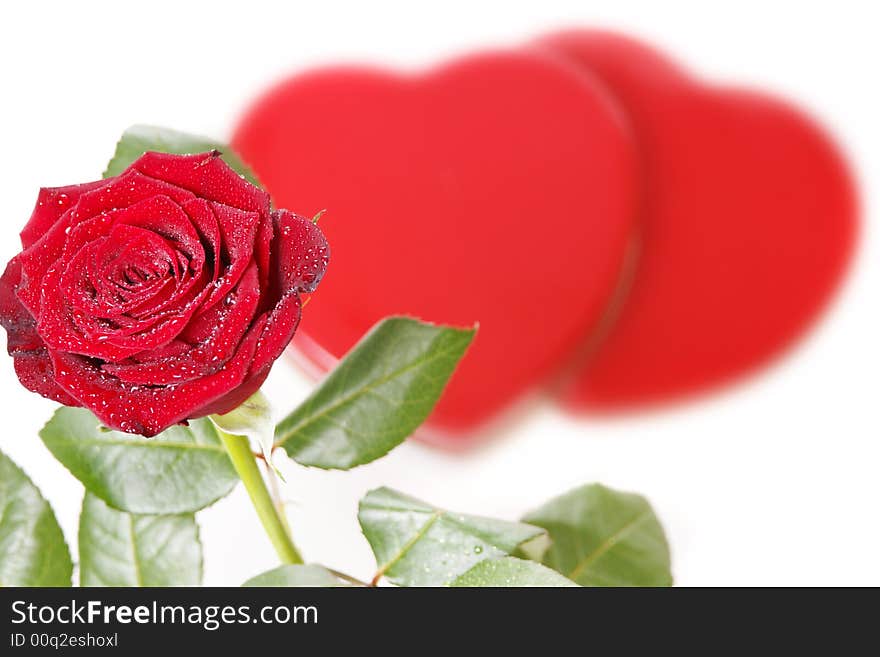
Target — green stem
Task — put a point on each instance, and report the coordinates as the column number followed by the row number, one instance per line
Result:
column 245, row 464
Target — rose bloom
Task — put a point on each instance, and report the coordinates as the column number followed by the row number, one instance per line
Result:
column 163, row 294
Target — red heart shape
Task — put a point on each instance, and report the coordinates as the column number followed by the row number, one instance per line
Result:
column 748, row 222
column 498, row 189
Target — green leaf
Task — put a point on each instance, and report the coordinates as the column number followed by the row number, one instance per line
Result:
column 296, row 575
column 602, row 537
column 139, row 139
column 126, row 549
column 32, row 547
column 510, row 571
column 376, row 397
column 534, row 549
column 181, row 470
column 419, row 545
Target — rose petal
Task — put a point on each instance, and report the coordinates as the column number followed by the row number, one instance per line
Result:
column 100, row 203
column 160, row 214
column 21, row 334
column 263, row 250
column 148, row 410
column 58, row 326
column 207, row 176
column 36, row 261
column 205, row 222
column 300, row 251
column 281, row 324
column 92, row 281
column 236, row 397
column 31, row 358
column 127, row 286
column 35, row 372
column 238, row 230
column 163, row 216
column 80, row 235
column 217, row 335
column 125, row 190
column 79, row 286
column 72, row 324
column 302, row 255
column 176, row 347
column 62, row 328
column 276, row 335
column 52, row 202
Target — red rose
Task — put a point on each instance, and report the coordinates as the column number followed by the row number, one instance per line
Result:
column 163, row 294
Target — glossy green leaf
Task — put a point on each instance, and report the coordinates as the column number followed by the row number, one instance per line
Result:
column 296, row 575
column 126, row 549
column 510, row 571
column 32, row 547
column 181, row 470
column 139, row 139
column 603, row 537
column 376, row 397
column 534, row 549
column 419, row 545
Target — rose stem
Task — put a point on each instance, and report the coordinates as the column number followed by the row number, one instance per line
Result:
column 246, row 466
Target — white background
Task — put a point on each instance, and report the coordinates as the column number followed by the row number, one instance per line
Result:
column 773, row 483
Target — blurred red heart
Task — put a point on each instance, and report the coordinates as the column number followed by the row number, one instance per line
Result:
column 749, row 220
column 498, row 189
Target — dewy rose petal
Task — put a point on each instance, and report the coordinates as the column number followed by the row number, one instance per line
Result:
column 160, row 295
